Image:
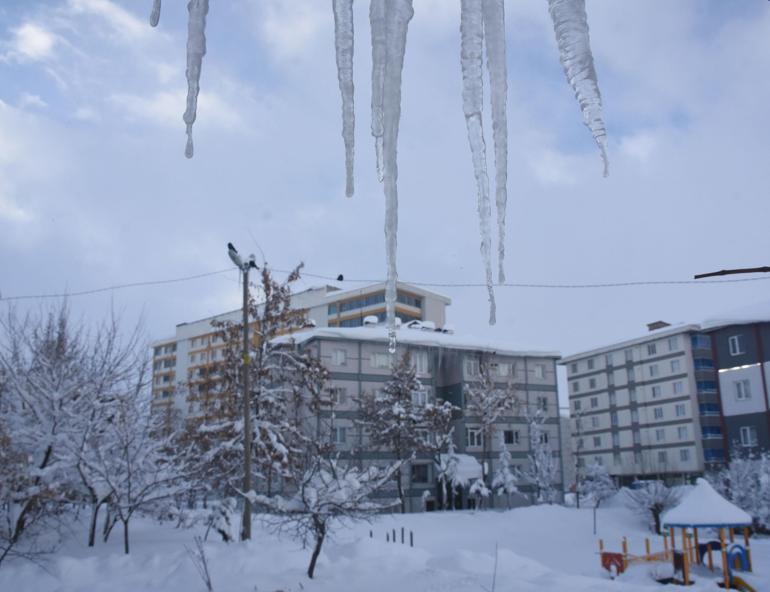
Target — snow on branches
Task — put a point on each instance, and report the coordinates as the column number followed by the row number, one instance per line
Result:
column 597, row 484
column 746, row 483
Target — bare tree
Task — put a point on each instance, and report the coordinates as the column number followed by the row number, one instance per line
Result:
column 650, row 499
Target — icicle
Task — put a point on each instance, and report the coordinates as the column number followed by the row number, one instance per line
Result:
column 378, row 10
column 343, row 41
column 570, row 23
column 399, row 13
column 472, row 39
column 494, row 36
column 155, row 14
column 196, row 49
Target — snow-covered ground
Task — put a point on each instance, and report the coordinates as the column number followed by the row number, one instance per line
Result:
column 539, row 548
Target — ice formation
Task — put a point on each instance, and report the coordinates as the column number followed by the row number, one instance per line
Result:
column 482, row 28
column 570, row 23
column 196, row 49
column 343, row 36
column 471, row 59
column 155, row 14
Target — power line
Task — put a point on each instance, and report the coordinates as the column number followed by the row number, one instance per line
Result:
column 547, row 286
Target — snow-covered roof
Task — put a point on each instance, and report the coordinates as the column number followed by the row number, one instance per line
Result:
column 376, row 287
column 468, row 468
column 648, row 336
column 423, row 337
column 702, row 506
column 755, row 313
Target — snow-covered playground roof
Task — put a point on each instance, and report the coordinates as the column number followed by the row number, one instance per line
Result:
column 703, row 507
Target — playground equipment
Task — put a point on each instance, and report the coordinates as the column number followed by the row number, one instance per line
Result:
column 705, row 508
column 617, row 563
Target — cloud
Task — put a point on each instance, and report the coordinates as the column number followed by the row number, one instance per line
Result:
column 32, row 42
column 30, row 100
column 289, row 28
column 123, row 23
column 11, row 212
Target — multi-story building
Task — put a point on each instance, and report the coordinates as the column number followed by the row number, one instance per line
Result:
column 741, row 352
column 648, row 407
column 186, row 358
column 447, row 366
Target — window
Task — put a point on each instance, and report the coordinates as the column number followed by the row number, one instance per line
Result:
column 594, row 402
column 505, row 369
column 681, row 432
column 581, row 462
column 194, row 342
column 580, row 443
column 616, row 439
column 658, row 412
column 590, row 363
column 578, row 424
column 611, row 379
column 709, row 409
column 706, row 386
column 631, row 375
column 684, row 454
column 332, row 309
column 592, row 383
column 635, row 416
column 193, row 358
column 703, row 364
column 614, row 418
column 339, row 435
column 576, row 386
column 166, row 378
column 713, row 454
column 736, row 345
column 660, row 435
column 673, row 343
column 595, row 421
column 653, row 370
column 637, row 437
column 473, row 437
column 340, row 357
column 420, row 473
column 574, row 368
column 165, row 394
column 678, row 387
column 542, row 403
column 651, row 349
column 511, row 437
column 544, row 437
column 748, row 436
column 662, row 457
column 629, row 353
column 471, row 367
column 676, row 366
column 701, row 342
column 577, row 405
column 597, row 441
column 656, row 391
column 680, row 410
column 338, row 395
column 632, row 394
column 711, row 432
column 637, row 457
column 380, row 360
column 616, row 458
column 420, row 362
column 609, row 359
column 613, row 399
column 540, row 371
column 420, row 398
column 742, row 390
column 598, row 460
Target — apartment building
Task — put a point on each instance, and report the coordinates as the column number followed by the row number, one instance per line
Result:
column 447, row 365
column 649, row 406
column 741, row 351
column 183, row 361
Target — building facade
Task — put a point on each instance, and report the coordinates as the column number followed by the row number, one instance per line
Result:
column 184, row 360
column 448, row 367
column 648, row 407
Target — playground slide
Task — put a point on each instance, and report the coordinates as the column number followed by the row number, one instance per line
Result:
column 741, row 584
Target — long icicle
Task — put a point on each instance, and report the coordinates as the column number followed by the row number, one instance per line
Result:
column 494, row 37
column 570, row 23
column 471, row 58
column 399, row 13
column 343, row 42
column 155, row 14
column 378, row 10
column 196, row 49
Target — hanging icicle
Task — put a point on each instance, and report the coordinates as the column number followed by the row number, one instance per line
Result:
column 494, row 36
column 378, row 22
column 471, row 59
column 570, row 23
column 343, row 41
column 155, row 14
column 196, row 49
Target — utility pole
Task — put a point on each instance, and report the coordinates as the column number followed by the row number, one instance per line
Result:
column 244, row 267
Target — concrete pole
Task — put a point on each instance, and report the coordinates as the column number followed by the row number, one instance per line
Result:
column 246, row 526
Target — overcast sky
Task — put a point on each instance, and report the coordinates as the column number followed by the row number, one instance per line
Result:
column 95, row 189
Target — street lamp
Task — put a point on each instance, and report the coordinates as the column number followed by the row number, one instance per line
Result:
column 245, row 267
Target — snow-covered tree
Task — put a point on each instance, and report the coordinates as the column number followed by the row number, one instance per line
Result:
column 542, row 468
column 447, row 474
column 487, row 403
column 746, row 483
column 328, row 492
column 479, row 491
column 401, row 420
column 597, row 484
column 650, row 499
column 504, row 481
